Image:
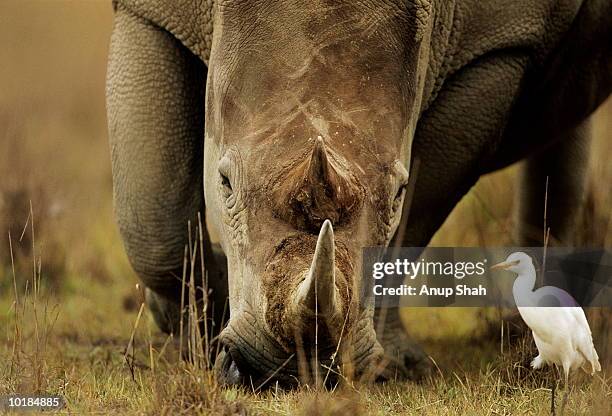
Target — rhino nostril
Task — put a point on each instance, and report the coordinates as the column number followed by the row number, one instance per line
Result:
column 230, row 372
column 233, row 374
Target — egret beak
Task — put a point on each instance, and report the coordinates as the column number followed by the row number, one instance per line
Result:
column 504, row 265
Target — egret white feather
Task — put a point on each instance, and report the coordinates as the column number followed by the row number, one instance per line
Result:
column 562, row 334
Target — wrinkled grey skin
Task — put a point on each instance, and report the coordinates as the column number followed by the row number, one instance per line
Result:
column 221, row 103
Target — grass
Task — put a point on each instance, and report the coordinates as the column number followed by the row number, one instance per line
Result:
column 55, row 352
column 70, row 332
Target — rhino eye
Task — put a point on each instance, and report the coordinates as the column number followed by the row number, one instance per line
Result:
column 400, row 192
column 397, row 200
column 401, row 179
column 226, row 186
column 226, row 183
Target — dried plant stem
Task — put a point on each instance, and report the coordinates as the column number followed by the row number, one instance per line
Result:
column 204, row 290
column 17, row 334
column 130, row 359
column 546, row 229
column 182, row 309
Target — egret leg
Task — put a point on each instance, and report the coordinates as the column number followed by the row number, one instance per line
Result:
column 552, row 398
column 564, row 401
column 567, row 389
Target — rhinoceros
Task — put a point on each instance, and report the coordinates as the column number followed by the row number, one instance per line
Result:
column 297, row 127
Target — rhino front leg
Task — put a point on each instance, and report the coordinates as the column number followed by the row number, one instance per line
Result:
column 407, row 359
column 155, row 90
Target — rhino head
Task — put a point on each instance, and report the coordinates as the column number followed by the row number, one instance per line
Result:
column 310, row 109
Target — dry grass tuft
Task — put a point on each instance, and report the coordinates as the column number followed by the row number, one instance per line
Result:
column 24, row 202
column 28, row 369
column 342, row 403
column 188, row 390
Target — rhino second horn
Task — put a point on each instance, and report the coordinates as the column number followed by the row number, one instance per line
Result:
column 318, row 171
column 318, row 290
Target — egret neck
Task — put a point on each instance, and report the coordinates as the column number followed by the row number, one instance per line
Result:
column 522, row 289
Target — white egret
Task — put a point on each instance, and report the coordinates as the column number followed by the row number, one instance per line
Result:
column 562, row 333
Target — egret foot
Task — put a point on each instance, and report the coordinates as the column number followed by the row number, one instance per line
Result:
column 537, row 362
column 564, row 400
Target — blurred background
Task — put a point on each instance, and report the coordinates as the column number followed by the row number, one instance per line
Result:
column 53, row 141
column 55, row 175
column 54, row 156
column 54, row 151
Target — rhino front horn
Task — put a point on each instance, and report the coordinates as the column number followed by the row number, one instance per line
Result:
column 318, row 291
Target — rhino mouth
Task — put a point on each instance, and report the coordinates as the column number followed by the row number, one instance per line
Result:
column 250, row 356
column 253, row 358
column 310, row 325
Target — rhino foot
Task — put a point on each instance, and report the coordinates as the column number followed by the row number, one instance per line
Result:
column 406, row 358
column 166, row 313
